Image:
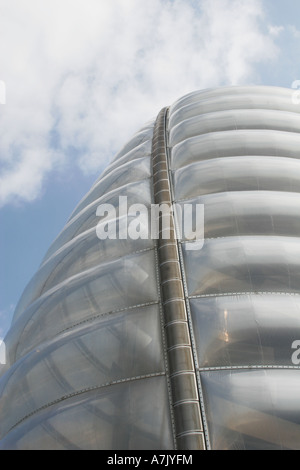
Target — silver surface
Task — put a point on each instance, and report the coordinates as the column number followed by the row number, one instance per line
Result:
column 99, row 358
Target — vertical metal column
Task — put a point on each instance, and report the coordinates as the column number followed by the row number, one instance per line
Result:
column 185, row 398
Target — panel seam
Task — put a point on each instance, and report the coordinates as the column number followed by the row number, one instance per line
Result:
column 89, row 320
column 81, row 392
column 248, row 367
column 230, row 294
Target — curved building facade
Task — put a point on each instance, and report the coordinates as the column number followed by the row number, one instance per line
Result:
column 154, row 343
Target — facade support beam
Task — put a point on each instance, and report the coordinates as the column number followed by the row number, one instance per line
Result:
column 183, row 380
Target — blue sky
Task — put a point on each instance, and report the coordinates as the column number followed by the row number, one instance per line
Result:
column 82, row 76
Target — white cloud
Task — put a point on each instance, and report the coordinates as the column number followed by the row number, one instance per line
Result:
column 86, row 74
column 275, row 30
column 295, row 32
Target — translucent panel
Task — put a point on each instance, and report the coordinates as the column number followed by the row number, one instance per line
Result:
column 148, row 125
column 255, row 173
column 127, row 282
column 232, row 120
column 88, row 243
column 235, row 143
column 115, row 347
column 2, row 369
column 139, row 138
column 87, row 218
column 253, row 410
column 232, row 91
column 98, row 420
column 136, row 170
column 245, row 330
column 143, row 150
column 81, row 253
column 230, row 102
column 246, row 213
column 246, row 264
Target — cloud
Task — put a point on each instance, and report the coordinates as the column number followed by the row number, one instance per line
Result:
column 83, row 75
column 275, row 30
column 295, row 32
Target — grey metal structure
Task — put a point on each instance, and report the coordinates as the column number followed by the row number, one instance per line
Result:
column 146, row 344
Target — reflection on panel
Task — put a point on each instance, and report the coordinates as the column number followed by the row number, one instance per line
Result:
column 83, row 252
column 121, row 284
column 254, row 173
column 98, row 420
column 245, row 330
column 87, row 217
column 253, row 410
column 257, row 93
column 114, row 347
column 144, row 135
column 246, row 213
column 136, row 170
column 86, row 351
column 236, row 152
column 235, row 143
column 244, row 264
column 234, row 120
column 141, row 151
column 247, row 99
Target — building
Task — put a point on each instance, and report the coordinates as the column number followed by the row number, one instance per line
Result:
column 122, row 343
